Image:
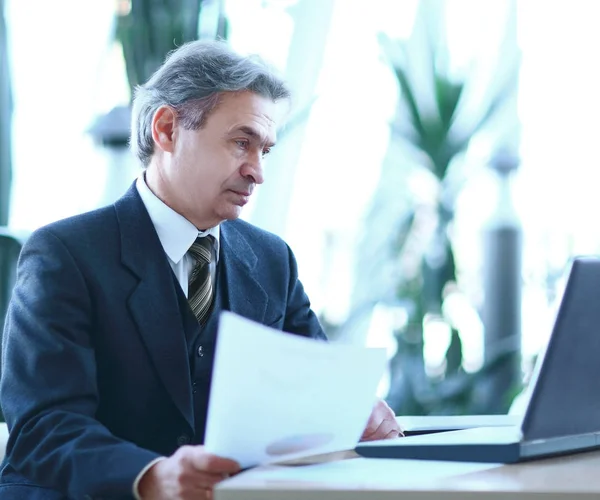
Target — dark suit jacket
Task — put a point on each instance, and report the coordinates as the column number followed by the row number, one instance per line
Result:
column 96, row 379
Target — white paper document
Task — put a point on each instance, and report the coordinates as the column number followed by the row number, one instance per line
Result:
column 277, row 396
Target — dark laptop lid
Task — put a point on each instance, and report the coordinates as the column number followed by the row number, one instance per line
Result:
column 565, row 397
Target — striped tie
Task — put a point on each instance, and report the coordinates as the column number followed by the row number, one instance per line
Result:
column 200, row 294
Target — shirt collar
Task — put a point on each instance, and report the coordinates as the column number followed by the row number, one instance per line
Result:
column 175, row 232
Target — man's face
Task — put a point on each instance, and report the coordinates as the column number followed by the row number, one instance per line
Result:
column 213, row 171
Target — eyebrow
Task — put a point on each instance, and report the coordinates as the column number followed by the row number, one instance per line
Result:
column 249, row 131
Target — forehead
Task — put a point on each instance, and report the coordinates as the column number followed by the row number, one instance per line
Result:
column 241, row 109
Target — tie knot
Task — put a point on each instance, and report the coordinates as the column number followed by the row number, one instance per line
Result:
column 201, row 249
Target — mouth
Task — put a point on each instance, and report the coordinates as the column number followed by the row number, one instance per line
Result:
column 246, row 194
column 242, row 197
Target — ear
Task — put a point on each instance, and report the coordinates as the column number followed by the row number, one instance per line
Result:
column 164, row 123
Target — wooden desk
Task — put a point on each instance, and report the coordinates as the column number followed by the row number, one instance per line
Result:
column 352, row 478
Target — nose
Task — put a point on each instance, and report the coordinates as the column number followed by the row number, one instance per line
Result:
column 253, row 169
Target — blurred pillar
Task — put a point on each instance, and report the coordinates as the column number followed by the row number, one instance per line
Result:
column 5, row 122
column 312, row 21
column 502, row 287
column 110, row 133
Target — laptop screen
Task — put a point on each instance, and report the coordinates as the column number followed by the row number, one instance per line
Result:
column 565, row 389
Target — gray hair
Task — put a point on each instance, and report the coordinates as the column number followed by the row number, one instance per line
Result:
column 192, row 80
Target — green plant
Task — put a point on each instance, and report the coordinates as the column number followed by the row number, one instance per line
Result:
column 434, row 123
column 149, row 29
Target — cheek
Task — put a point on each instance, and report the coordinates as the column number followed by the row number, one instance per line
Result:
column 211, row 171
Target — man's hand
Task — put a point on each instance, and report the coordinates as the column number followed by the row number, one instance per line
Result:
column 189, row 474
column 382, row 423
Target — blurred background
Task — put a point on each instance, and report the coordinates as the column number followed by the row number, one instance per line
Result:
column 437, row 175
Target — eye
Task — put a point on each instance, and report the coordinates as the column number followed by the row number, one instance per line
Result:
column 242, row 143
column 266, row 151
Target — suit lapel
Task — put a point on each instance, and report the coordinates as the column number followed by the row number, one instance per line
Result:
column 153, row 303
column 246, row 296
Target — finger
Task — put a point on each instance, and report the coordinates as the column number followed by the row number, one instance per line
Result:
column 198, row 494
column 208, row 495
column 206, row 480
column 381, row 411
column 386, row 426
column 374, row 419
column 196, row 477
column 372, row 424
column 212, row 463
column 375, row 430
column 393, row 434
column 387, row 410
column 385, row 430
column 390, row 430
column 208, row 492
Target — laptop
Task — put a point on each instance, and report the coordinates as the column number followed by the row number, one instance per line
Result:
column 413, row 425
column 562, row 415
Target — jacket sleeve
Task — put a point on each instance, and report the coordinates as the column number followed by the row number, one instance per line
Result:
column 48, row 388
column 299, row 317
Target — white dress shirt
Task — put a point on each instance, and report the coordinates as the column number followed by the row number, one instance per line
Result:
column 176, row 235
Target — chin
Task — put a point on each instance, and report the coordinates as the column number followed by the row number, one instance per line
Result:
column 231, row 214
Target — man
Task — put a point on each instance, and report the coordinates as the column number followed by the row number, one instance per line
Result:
column 109, row 338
